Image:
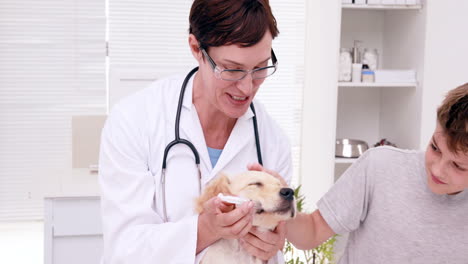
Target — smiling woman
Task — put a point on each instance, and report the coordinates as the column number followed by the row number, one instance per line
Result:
column 215, row 111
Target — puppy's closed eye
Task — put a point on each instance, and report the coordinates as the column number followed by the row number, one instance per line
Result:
column 258, row 184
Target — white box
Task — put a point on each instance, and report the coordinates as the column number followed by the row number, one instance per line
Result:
column 413, row 2
column 360, row 2
column 395, row 76
column 374, row 2
column 347, row 1
column 388, row 2
column 400, row 2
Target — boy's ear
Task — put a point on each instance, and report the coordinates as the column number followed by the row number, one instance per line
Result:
column 219, row 185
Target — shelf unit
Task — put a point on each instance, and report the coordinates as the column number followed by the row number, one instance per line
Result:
column 361, row 84
column 372, row 111
column 381, row 7
column 345, row 160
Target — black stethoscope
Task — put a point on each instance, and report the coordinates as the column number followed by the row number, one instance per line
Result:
column 179, row 140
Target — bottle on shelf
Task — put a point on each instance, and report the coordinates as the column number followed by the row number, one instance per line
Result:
column 357, row 71
column 357, row 66
column 371, row 58
column 346, row 60
column 368, row 75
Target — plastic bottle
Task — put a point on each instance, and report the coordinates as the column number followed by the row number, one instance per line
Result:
column 368, row 75
column 371, row 58
column 344, row 71
column 356, row 75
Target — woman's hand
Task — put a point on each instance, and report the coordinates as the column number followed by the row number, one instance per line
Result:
column 258, row 167
column 219, row 220
column 264, row 244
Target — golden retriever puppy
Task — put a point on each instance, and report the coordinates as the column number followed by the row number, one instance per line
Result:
column 272, row 201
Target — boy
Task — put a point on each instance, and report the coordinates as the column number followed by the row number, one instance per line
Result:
column 401, row 206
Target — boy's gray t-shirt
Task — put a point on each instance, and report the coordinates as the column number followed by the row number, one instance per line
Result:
column 384, row 202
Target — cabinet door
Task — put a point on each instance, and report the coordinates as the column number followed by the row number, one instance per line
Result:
column 72, row 231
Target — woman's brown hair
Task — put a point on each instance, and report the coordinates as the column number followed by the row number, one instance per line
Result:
column 452, row 115
column 223, row 22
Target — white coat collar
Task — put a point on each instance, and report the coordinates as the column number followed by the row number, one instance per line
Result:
column 237, row 140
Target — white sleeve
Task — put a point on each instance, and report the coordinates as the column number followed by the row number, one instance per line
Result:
column 133, row 231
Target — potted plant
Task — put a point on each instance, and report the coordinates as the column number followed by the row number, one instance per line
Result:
column 322, row 254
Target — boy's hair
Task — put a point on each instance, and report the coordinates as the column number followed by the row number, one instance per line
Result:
column 224, row 22
column 452, row 115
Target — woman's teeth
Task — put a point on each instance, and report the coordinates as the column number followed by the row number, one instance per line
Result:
column 238, row 98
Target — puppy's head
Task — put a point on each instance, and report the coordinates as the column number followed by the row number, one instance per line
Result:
column 273, row 202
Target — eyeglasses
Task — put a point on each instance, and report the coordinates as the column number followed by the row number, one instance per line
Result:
column 236, row 75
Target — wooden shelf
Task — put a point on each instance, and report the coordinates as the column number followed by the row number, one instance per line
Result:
column 361, row 84
column 345, row 160
column 382, row 7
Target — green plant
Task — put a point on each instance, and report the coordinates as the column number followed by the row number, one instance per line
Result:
column 322, row 254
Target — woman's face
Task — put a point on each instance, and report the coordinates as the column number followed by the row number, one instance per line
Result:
column 232, row 98
column 447, row 172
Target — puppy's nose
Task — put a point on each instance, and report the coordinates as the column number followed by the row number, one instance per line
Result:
column 287, row 193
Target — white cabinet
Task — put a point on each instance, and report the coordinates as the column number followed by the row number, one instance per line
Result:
column 72, row 230
column 431, row 39
column 372, row 111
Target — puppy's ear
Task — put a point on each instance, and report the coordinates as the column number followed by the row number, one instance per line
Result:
column 216, row 186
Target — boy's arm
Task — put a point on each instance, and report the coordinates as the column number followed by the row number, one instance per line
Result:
column 308, row 231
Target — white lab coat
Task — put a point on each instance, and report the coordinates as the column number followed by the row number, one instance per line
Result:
column 132, row 146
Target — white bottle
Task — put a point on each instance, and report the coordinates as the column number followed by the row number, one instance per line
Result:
column 371, row 58
column 356, row 75
column 368, row 75
column 344, row 71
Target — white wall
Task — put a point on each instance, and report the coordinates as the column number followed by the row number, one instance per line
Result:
column 446, row 57
column 323, row 20
column 404, row 45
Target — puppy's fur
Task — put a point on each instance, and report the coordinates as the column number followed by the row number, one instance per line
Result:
column 271, row 206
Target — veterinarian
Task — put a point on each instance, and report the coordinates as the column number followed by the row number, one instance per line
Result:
column 162, row 145
column 401, row 206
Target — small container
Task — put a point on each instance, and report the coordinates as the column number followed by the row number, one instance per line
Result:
column 371, row 58
column 368, row 75
column 350, row 148
column 356, row 52
column 356, row 75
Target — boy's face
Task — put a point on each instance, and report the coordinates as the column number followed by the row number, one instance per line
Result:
column 447, row 172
